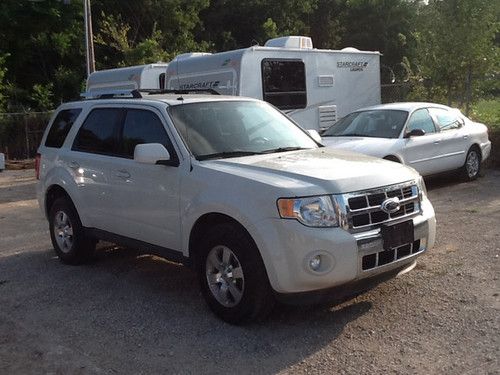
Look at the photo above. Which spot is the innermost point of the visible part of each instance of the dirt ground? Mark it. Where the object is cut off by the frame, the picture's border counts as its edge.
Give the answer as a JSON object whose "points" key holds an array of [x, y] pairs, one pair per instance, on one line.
{"points": [[131, 314]]}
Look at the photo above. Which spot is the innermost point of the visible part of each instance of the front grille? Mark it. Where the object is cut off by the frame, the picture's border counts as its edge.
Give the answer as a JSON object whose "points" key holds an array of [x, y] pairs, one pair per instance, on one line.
{"points": [[381, 258], [364, 209]]}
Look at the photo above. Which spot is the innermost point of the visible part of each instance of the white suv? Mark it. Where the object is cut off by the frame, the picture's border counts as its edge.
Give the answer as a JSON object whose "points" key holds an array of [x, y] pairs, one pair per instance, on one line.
{"points": [[233, 188]]}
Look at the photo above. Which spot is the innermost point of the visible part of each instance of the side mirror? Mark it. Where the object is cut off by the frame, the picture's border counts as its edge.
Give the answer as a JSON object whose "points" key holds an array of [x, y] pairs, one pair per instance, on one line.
{"points": [[151, 153], [415, 133], [315, 135]]}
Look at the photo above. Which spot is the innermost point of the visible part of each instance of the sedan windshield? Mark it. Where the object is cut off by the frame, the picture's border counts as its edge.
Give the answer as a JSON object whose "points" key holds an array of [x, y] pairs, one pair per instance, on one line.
{"points": [[236, 128], [375, 123]]}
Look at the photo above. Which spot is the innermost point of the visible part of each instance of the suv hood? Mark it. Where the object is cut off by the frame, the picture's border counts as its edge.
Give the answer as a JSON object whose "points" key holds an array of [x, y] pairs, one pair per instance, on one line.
{"points": [[317, 171]]}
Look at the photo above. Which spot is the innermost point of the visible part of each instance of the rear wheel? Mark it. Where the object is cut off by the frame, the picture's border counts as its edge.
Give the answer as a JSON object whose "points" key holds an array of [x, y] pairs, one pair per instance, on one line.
{"points": [[232, 276], [66, 231], [472, 166]]}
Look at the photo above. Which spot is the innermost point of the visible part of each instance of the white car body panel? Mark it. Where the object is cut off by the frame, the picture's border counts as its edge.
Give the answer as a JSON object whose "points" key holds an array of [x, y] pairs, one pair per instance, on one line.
{"points": [[429, 154]]}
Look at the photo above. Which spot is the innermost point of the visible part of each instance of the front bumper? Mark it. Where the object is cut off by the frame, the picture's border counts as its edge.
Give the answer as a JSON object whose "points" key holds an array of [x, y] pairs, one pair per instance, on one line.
{"points": [[287, 246]]}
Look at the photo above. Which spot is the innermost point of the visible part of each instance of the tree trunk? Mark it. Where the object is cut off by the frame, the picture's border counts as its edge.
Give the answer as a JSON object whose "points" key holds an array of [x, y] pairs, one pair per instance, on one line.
{"points": [[468, 90], [448, 88]]}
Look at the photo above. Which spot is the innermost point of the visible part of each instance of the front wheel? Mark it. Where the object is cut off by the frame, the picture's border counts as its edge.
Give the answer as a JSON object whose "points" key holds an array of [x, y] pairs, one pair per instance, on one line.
{"points": [[472, 165], [232, 276], [66, 231]]}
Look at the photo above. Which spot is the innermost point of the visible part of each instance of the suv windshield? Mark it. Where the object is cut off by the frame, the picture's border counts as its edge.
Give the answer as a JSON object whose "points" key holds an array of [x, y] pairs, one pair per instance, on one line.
{"points": [[236, 128], [375, 123]]}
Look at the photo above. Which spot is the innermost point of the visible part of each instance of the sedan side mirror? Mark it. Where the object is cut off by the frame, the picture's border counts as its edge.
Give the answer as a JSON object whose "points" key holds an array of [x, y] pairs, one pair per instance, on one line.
{"points": [[151, 153], [415, 133], [315, 135]]}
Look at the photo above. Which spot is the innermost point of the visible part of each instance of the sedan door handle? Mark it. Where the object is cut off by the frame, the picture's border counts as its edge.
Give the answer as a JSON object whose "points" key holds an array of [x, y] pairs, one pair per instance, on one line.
{"points": [[122, 173], [466, 136], [436, 142], [73, 165]]}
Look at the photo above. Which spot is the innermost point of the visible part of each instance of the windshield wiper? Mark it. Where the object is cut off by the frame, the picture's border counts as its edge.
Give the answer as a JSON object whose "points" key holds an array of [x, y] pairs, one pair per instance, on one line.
{"points": [[284, 149], [347, 135], [227, 154]]}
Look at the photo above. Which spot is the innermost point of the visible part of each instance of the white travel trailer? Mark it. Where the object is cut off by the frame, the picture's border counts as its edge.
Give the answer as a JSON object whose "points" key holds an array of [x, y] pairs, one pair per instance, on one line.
{"points": [[145, 77], [313, 86]]}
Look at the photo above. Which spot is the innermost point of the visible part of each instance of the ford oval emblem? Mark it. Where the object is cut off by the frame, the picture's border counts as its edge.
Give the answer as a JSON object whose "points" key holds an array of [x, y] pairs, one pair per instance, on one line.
{"points": [[390, 205]]}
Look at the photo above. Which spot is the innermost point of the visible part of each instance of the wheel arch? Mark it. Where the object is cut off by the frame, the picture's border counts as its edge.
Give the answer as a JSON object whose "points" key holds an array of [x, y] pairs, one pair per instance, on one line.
{"points": [[204, 223], [476, 147], [392, 157], [54, 192]]}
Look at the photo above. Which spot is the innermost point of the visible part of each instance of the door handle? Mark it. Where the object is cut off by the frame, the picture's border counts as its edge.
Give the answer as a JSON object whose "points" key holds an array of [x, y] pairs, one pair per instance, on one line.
{"points": [[122, 173], [73, 165], [436, 142], [466, 136]]}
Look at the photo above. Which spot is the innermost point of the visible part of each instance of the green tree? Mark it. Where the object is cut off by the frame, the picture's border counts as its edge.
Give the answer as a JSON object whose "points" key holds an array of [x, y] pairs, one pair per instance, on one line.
{"points": [[147, 31], [231, 24], [455, 47], [380, 25]]}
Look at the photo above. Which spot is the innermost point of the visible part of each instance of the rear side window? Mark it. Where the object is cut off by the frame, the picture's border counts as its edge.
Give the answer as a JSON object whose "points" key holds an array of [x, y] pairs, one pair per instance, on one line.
{"points": [[446, 119], [140, 127], [99, 132], [284, 83], [61, 126]]}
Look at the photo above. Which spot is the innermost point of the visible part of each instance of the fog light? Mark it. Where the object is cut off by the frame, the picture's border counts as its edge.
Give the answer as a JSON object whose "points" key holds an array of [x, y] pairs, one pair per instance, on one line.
{"points": [[315, 262]]}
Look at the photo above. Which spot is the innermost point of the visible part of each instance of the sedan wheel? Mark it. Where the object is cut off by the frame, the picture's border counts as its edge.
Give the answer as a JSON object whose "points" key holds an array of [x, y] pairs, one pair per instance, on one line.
{"points": [[472, 165]]}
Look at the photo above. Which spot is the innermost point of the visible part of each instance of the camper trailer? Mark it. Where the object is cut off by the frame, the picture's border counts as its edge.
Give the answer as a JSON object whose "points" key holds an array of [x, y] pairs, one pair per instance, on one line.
{"points": [[145, 77], [315, 87]]}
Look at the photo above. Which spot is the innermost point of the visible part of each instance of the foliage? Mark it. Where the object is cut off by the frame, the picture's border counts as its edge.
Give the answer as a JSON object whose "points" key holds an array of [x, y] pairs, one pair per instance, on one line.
{"points": [[41, 38], [487, 111], [455, 46], [445, 48]]}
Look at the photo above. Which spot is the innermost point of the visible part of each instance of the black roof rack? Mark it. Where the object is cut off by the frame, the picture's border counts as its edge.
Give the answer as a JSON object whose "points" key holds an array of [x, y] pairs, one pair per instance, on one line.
{"points": [[179, 92], [113, 94], [136, 94]]}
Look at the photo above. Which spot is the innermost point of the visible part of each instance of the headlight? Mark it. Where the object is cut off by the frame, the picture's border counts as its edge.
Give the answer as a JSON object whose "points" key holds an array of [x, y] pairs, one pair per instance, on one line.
{"points": [[421, 187], [310, 211]]}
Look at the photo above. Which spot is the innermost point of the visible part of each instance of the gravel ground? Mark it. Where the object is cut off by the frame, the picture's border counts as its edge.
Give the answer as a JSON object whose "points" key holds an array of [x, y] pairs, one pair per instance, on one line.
{"points": [[130, 313]]}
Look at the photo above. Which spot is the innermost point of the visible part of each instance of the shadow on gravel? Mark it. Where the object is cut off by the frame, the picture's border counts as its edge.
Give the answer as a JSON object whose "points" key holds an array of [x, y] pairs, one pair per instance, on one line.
{"points": [[139, 313], [453, 178]]}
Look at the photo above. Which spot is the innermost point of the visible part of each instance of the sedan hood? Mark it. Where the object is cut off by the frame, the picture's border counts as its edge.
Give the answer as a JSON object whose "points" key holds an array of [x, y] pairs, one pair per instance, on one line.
{"points": [[373, 146], [317, 171]]}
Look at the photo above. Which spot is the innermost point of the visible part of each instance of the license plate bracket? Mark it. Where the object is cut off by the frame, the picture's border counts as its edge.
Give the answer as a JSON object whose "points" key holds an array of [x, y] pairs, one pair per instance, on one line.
{"points": [[398, 234]]}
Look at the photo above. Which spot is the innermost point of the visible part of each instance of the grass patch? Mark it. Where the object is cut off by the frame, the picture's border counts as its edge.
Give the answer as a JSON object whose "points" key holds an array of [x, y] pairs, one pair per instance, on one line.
{"points": [[487, 111]]}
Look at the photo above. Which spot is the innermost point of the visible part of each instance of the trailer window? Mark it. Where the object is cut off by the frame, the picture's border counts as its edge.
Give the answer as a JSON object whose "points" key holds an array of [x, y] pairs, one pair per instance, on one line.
{"points": [[284, 83]]}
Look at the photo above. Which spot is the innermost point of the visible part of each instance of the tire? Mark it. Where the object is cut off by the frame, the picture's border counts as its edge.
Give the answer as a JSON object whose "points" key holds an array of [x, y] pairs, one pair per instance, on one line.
{"points": [[236, 297], [66, 231], [472, 166]]}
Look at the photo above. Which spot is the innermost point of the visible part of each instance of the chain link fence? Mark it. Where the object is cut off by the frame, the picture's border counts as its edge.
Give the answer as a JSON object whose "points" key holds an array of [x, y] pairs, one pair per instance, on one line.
{"points": [[395, 92], [21, 133]]}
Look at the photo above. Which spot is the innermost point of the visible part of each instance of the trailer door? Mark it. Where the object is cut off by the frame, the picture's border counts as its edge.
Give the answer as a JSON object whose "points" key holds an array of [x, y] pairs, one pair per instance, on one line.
{"points": [[284, 83]]}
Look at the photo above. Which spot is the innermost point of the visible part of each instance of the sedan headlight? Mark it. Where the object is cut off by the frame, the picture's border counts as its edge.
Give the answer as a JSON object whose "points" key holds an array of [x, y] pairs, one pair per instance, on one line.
{"points": [[311, 211]]}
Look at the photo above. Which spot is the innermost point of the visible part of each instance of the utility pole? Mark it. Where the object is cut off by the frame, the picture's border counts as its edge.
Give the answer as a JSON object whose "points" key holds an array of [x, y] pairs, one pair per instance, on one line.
{"points": [[89, 38]]}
